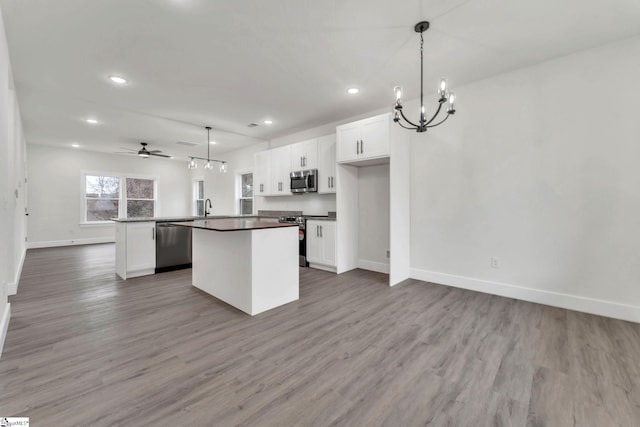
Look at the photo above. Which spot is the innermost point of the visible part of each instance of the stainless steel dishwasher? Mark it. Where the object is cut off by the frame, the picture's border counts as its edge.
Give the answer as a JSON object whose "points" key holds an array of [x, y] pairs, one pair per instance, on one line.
{"points": [[173, 247]]}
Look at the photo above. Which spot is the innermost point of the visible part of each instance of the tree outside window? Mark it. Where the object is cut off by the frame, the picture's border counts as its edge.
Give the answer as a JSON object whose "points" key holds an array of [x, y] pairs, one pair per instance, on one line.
{"points": [[140, 197], [102, 195]]}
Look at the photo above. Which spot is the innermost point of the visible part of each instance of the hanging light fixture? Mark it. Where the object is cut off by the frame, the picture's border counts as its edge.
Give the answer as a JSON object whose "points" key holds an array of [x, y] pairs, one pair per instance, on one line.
{"points": [[209, 161], [443, 92]]}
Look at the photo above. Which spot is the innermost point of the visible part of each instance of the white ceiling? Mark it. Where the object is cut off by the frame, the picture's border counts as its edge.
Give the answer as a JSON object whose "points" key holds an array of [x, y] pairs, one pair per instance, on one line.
{"points": [[192, 63]]}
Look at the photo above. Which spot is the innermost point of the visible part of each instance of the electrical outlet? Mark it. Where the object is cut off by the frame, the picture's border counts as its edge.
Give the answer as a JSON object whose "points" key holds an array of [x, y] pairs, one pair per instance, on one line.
{"points": [[388, 253], [495, 262]]}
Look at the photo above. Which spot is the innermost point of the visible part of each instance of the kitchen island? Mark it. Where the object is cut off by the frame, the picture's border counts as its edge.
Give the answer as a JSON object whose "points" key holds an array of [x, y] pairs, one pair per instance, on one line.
{"points": [[247, 263]]}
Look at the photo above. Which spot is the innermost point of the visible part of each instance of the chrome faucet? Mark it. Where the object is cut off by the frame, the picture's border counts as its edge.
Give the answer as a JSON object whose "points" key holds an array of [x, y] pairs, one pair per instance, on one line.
{"points": [[206, 212]]}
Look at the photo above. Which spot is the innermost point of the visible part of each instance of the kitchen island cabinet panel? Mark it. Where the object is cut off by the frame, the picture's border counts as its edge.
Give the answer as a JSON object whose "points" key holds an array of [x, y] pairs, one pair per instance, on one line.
{"points": [[135, 249]]}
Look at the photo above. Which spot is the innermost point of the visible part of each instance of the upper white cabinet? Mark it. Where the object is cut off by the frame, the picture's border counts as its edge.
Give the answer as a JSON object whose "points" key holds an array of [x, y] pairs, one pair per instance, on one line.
{"points": [[280, 171], [304, 155], [272, 168], [327, 164], [135, 249], [363, 140], [262, 173]]}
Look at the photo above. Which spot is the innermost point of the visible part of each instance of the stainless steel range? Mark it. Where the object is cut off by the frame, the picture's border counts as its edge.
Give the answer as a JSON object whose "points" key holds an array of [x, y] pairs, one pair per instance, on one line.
{"points": [[302, 236]]}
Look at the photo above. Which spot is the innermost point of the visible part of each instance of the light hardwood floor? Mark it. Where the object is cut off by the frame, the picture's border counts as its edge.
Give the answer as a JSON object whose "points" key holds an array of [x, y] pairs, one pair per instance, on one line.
{"points": [[85, 348]]}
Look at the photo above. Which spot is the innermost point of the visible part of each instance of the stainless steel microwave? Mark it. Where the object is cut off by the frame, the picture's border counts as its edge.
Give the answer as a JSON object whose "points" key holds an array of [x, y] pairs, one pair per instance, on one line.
{"points": [[304, 181]]}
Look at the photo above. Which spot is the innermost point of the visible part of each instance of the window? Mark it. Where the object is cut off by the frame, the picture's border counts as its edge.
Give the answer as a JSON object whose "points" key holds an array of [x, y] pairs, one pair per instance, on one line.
{"points": [[140, 197], [102, 195], [246, 194], [105, 197], [198, 197]]}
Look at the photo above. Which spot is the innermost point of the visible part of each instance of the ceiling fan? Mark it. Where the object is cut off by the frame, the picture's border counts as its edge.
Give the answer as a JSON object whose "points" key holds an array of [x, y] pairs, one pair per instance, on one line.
{"points": [[143, 152]]}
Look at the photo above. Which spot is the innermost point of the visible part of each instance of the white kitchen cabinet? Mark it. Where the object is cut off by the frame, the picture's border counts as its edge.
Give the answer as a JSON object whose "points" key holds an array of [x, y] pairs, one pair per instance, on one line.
{"points": [[327, 164], [280, 171], [135, 249], [321, 244], [366, 139], [262, 173], [304, 155]]}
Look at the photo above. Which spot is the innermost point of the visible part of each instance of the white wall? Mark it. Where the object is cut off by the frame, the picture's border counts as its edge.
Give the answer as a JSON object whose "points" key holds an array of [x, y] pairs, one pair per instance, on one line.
{"points": [[221, 187], [55, 176], [539, 167], [12, 194], [373, 217]]}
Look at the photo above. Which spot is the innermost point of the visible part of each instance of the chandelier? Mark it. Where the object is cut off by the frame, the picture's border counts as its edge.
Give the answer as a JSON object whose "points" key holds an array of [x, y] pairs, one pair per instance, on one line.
{"points": [[443, 92], [208, 165]]}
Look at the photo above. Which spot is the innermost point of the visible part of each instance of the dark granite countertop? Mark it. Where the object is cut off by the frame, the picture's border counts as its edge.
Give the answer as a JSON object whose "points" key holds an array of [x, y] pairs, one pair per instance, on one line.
{"points": [[180, 218], [233, 224]]}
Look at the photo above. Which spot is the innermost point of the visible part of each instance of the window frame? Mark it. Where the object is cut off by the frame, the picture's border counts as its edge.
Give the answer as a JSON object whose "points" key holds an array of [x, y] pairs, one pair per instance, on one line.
{"points": [[239, 197], [122, 197]]}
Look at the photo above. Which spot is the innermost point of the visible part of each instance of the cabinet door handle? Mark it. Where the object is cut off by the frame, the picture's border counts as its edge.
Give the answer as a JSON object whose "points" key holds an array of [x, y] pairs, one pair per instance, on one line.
{"points": [[331, 182], [300, 161], [153, 233], [357, 147], [361, 146], [320, 231]]}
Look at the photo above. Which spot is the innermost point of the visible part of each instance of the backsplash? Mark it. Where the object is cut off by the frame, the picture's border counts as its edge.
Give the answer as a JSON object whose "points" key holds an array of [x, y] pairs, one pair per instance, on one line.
{"points": [[309, 204]]}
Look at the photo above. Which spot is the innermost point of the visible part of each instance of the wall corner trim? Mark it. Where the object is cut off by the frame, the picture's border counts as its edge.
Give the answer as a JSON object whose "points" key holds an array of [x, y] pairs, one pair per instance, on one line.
{"points": [[12, 287], [599, 307], [4, 326], [74, 242]]}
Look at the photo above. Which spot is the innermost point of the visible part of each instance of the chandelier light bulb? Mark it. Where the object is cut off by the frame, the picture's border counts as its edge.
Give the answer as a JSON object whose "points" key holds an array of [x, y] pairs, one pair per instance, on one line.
{"points": [[398, 92], [192, 164], [442, 90], [223, 168], [208, 165], [452, 100]]}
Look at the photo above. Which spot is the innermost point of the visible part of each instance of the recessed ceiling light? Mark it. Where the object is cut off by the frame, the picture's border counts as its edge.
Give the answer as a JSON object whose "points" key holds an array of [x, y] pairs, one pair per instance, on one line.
{"points": [[268, 122], [75, 145], [212, 142], [92, 121], [353, 90], [118, 79]]}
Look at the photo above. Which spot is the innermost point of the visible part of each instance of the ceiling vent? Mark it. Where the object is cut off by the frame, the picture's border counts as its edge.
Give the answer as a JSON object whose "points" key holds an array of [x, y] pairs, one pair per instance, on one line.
{"points": [[187, 144], [252, 125]]}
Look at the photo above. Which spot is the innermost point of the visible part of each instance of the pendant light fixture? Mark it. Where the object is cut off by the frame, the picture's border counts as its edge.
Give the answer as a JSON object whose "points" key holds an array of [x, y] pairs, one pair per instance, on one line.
{"points": [[443, 92], [209, 161]]}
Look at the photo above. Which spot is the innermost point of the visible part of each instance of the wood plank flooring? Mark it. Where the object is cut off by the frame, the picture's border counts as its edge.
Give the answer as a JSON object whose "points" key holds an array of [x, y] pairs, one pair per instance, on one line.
{"points": [[85, 348]]}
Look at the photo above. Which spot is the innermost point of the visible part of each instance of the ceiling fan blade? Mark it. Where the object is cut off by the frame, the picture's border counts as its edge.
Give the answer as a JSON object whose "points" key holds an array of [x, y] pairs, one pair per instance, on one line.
{"points": [[155, 151], [158, 155], [124, 152], [130, 149]]}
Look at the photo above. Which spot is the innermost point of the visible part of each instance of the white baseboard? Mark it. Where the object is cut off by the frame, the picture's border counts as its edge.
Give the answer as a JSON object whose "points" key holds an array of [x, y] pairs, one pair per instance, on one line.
{"points": [[379, 267], [4, 325], [555, 299], [55, 243], [12, 287], [322, 267]]}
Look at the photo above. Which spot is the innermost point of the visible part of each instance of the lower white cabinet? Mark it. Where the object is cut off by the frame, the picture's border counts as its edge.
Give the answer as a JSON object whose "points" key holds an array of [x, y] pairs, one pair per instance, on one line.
{"points": [[135, 249], [321, 244]]}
